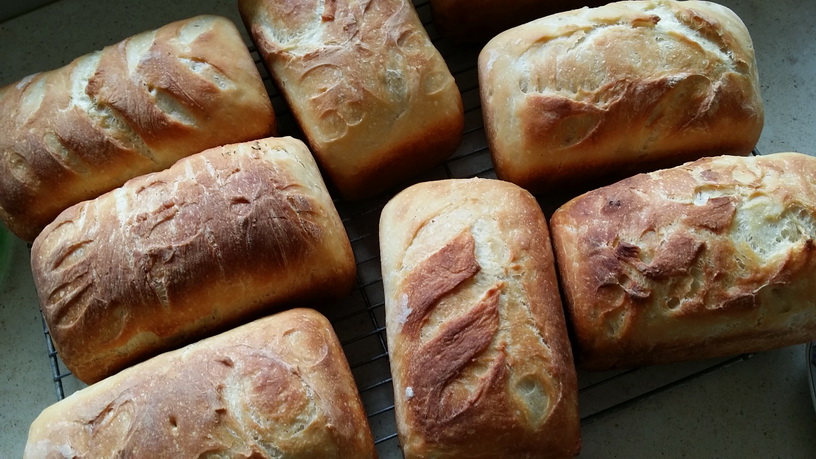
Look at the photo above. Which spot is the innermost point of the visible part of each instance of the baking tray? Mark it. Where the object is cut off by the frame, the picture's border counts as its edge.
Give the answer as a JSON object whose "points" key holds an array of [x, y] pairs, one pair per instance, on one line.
{"points": [[359, 319]]}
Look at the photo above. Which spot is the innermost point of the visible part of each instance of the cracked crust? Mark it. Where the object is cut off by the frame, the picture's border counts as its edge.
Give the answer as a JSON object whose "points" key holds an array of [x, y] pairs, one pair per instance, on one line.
{"points": [[219, 236], [598, 94], [71, 134], [370, 91], [712, 258], [476, 334], [276, 387]]}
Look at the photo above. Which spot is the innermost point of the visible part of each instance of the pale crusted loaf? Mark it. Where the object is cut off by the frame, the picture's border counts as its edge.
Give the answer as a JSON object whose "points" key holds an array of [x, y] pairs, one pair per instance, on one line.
{"points": [[583, 97], [220, 236], [480, 359], [276, 387], [711, 258], [135, 107], [372, 94]]}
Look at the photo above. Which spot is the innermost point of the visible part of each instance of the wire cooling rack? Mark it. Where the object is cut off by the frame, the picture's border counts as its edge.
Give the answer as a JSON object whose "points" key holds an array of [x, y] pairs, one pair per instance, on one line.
{"points": [[359, 319]]}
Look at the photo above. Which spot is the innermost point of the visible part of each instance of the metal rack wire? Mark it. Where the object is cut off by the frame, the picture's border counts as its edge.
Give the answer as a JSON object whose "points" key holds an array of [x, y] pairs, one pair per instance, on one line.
{"points": [[359, 319]]}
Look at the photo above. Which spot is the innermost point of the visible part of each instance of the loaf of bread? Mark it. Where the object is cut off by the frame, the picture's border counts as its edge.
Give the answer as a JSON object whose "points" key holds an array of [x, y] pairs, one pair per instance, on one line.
{"points": [[584, 97], [373, 96], [477, 21], [71, 134], [276, 387], [480, 359], [219, 237], [712, 258]]}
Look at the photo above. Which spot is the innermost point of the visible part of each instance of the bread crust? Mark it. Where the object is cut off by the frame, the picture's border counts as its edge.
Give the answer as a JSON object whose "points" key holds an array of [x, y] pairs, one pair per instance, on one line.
{"points": [[219, 237], [73, 133], [373, 96], [585, 97], [276, 387], [480, 359], [709, 259]]}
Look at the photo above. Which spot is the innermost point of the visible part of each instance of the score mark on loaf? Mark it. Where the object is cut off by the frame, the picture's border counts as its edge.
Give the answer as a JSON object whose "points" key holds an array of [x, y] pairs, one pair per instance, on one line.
{"points": [[588, 96], [170, 256], [713, 258], [477, 340], [73, 133], [374, 97], [277, 387]]}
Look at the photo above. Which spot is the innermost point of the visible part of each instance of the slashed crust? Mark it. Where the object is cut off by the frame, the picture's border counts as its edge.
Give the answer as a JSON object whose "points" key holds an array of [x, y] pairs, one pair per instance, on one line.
{"points": [[170, 256], [712, 258], [479, 353]]}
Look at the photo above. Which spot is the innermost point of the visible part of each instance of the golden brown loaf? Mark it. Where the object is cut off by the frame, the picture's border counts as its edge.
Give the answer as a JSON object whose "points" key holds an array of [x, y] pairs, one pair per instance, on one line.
{"points": [[480, 359], [711, 258], [477, 21], [71, 134], [373, 96], [170, 256], [277, 387], [581, 97]]}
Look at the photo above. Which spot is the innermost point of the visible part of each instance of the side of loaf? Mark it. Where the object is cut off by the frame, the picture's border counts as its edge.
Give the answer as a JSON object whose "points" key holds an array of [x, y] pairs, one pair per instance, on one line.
{"points": [[712, 258], [276, 387], [586, 97], [373, 96], [220, 236], [71, 134], [480, 359]]}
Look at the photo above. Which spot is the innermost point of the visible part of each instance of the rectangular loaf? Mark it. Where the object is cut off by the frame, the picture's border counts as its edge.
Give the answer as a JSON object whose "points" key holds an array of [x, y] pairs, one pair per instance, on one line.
{"points": [[276, 387], [480, 359], [712, 258], [171, 256], [371, 93], [585, 97], [135, 107]]}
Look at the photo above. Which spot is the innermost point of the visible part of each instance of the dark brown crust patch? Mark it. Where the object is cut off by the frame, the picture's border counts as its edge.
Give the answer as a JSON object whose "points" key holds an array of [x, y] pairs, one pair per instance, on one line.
{"points": [[440, 361], [436, 277]]}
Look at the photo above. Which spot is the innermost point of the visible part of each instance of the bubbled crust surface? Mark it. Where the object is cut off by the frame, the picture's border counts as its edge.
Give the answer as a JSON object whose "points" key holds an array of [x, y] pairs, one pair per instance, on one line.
{"points": [[373, 96], [172, 255], [276, 387], [596, 94], [135, 107], [711, 258], [479, 354]]}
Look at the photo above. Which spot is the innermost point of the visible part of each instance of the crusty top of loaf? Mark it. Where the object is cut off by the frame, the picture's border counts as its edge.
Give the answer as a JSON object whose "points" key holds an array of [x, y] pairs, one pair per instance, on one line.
{"points": [[711, 258], [630, 84], [477, 339], [370, 91], [575, 53], [70, 134], [277, 387], [174, 254]]}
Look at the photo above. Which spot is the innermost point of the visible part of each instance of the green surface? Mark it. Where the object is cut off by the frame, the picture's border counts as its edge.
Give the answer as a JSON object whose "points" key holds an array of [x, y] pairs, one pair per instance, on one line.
{"points": [[5, 252]]}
